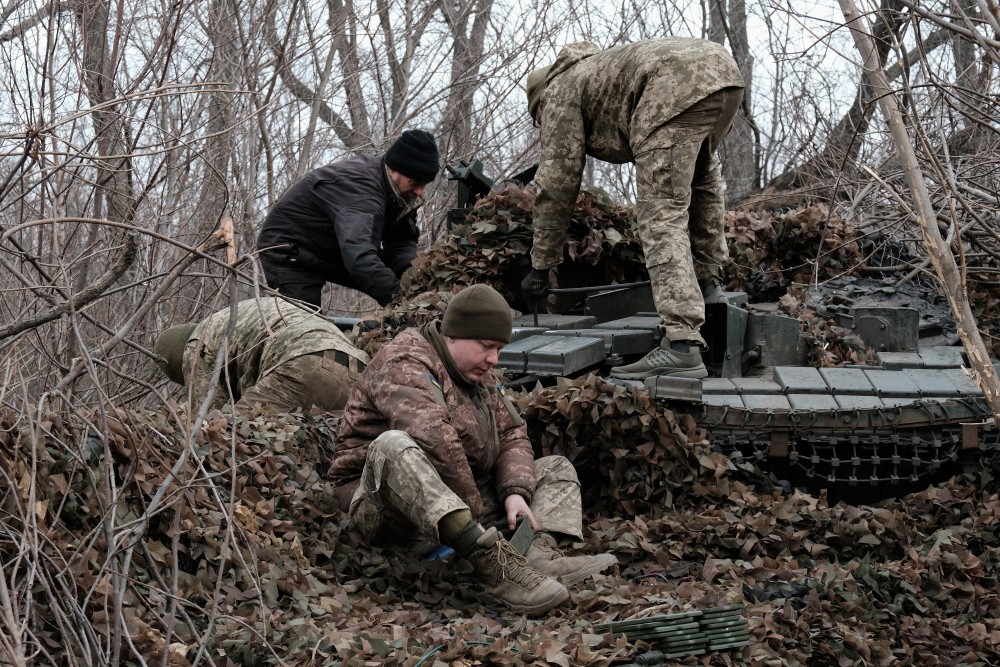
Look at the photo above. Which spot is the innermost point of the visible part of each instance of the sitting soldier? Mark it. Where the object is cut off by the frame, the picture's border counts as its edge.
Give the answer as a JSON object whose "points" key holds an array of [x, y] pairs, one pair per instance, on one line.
{"points": [[430, 447]]}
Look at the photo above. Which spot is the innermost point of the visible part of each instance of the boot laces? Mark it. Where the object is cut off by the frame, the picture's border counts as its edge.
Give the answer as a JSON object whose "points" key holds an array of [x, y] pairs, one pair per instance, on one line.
{"points": [[512, 565], [660, 357]]}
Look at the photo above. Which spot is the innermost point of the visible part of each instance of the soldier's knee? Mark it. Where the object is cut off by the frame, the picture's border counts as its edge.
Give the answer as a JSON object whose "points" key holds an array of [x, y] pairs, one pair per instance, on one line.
{"points": [[556, 469], [392, 442]]}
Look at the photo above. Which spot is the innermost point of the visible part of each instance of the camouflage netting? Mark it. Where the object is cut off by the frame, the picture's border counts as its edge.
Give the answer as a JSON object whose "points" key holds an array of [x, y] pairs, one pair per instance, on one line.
{"points": [[125, 538], [633, 456], [984, 297], [773, 256], [230, 550], [492, 247], [769, 253]]}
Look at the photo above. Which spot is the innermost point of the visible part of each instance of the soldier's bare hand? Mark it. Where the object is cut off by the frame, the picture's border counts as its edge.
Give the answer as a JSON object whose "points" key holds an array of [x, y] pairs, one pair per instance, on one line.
{"points": [[516, 506]]}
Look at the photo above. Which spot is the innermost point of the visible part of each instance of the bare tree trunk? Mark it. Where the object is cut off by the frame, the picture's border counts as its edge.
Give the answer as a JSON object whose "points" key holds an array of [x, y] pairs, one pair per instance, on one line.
{"points": [[951, 278], [344, 25], [465, 75], [224, 71], [844, 142], [740, 150], [303, 91], [114, 179], [970, 81], [395, 52], [114, 188]]}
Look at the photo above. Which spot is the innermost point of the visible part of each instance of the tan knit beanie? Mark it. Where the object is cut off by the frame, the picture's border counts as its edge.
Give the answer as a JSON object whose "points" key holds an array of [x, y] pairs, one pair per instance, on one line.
{"points": [[535, 87], [478, 311], [170, 345]]}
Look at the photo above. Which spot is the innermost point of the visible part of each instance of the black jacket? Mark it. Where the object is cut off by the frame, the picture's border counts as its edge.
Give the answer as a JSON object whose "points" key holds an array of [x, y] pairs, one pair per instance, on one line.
{"points": [[343, 222]]}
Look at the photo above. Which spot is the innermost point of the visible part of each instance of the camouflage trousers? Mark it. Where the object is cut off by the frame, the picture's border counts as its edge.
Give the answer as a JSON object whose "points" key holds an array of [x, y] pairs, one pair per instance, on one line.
{"points": [[401, 498], [322, 379], [681, 208]]}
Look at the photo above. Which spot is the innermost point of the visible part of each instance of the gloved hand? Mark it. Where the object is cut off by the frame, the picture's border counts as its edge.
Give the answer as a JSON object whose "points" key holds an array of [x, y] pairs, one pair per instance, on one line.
{"points": [[535, 285]]}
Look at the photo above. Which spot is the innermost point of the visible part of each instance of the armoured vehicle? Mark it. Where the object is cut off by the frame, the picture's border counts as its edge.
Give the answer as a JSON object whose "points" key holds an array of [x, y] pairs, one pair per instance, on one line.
{"points": [[859, 432]]}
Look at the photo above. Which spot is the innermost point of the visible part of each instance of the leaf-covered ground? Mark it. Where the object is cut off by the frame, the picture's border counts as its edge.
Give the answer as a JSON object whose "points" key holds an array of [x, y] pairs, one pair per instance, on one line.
{"points": [[129, 537], [246, 558]]}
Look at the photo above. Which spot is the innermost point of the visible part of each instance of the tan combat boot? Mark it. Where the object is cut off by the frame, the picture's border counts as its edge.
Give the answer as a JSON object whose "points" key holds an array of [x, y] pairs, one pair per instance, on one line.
{"points": [[510, 579], [547, 559]]}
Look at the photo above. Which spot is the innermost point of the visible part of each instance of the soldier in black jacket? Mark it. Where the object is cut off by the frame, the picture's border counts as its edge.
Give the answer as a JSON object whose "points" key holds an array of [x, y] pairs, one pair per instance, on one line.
{"points": [[353, 222]]}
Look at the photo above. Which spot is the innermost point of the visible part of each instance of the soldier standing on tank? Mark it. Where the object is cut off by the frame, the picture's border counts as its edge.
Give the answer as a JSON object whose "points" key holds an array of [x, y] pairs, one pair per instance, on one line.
{"points": [[280, 356], [664, 105], [430, 449]]}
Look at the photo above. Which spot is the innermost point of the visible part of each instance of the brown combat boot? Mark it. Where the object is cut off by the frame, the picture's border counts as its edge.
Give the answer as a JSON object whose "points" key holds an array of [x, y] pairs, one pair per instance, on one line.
{"points": [[547, 559], [510, 579]]}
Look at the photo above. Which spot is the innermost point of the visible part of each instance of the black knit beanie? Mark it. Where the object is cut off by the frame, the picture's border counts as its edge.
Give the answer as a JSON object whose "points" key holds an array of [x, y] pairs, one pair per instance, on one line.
{"points": [[414, 155], [479, 312], [170, 345]]}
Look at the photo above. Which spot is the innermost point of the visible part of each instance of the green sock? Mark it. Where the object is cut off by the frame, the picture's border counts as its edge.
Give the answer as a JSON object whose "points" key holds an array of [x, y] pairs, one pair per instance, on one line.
{"points": [[459, 531]]}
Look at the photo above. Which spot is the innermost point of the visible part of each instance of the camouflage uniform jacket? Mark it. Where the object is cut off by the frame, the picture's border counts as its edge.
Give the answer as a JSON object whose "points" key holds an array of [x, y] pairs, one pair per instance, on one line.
{"points": [[268, 333], [467, 432], [609, 105]]}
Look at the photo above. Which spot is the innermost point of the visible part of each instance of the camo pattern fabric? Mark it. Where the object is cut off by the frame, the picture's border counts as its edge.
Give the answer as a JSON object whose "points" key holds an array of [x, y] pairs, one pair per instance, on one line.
{"points": [[612, 105], [681, 209], [467, 431], [401, 499], [319, 379], [268, 333], [557, 503]]}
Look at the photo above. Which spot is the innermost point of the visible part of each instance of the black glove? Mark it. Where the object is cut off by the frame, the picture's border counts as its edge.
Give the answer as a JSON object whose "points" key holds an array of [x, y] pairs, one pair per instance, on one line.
{"points": [[535, 285]]}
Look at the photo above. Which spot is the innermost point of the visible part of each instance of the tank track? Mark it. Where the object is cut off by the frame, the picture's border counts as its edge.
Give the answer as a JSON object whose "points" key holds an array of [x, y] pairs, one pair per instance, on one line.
{"points": [[873, 448], [876, 431]]}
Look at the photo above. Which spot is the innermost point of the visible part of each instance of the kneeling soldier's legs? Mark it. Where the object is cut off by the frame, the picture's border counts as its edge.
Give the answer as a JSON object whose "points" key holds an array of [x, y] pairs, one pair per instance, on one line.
{"points": [[323, 379]]}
